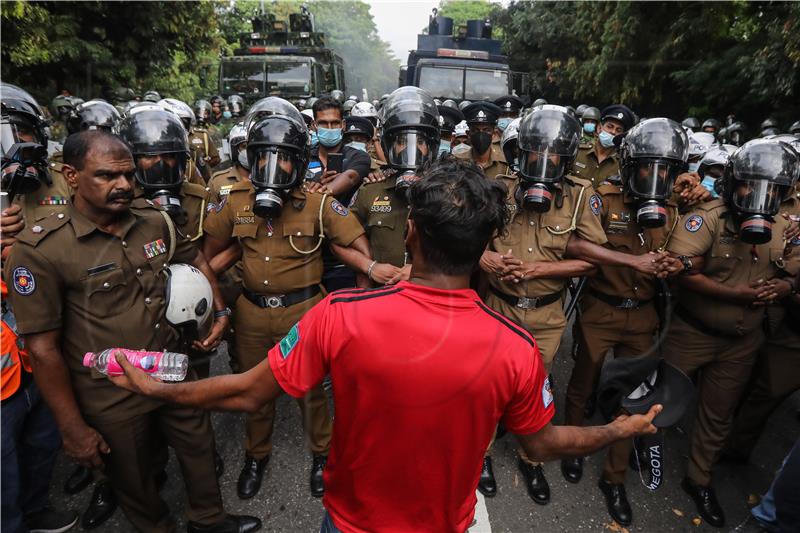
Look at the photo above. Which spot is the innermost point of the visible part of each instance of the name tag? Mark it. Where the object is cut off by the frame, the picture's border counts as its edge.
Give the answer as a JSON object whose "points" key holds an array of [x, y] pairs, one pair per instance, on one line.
{"points": [[99, 269], [244, 218]]}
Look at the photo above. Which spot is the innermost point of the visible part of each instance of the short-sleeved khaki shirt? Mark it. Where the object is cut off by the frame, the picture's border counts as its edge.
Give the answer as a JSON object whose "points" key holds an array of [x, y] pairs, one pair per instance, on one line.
{"points": [[194, 200], [221, 184], [47, 199], [493, 168], [587, 166], [384, 214]]}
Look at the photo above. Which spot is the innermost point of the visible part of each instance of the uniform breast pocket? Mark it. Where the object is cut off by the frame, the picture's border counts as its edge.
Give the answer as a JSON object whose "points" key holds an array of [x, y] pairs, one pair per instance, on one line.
{"points": [[301, 236], [377, 221], [554, 232], [725, 259], [107, 292], [245, 231]]}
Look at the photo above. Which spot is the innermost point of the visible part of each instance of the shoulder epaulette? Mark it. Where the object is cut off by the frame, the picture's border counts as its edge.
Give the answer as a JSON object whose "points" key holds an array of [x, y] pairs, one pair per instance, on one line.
{"points": [[35, 234]]}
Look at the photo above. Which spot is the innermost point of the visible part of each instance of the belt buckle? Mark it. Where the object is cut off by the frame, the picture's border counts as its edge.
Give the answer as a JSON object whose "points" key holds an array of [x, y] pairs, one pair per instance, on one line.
{"points": [[628, 303], [527, 303], [274, 302]]}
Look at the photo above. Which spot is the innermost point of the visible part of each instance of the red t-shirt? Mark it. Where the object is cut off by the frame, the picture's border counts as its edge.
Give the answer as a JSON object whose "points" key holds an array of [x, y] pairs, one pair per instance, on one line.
{"points": [[421, 378]]}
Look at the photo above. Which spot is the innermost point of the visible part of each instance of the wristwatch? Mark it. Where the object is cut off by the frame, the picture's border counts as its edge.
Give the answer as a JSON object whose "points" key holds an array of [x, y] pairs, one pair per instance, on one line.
{"points": [[222, 312], [687, 263]]}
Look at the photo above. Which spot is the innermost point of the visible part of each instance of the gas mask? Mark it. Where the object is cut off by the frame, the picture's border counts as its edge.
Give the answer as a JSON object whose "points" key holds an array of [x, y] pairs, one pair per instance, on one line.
{"points": [[162, 182], [24, 160], [274, 172], [650, 182], [540, 173], [755, 203], [409, 149]]}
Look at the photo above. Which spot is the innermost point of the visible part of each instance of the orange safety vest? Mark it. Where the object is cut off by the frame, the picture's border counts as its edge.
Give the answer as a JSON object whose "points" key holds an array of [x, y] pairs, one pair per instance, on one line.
{"points": [[13, 357]]}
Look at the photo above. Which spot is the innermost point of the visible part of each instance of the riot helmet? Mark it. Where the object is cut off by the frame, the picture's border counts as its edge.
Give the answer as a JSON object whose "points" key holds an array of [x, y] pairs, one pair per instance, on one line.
{"points": [[711, 125], [202, 111], [508, 143], [735, 133], [539, 102], [277, 150], [348, 106], [794, 129], [160, 148], [590, 120], [181, 109], [151, 96], [548, 143], [580, 109], [712, 168], [366, 110], [237, 144], [62, 106], [692, 123], [758, 177], [23, 141], [271, 105], [236, 105], [94, 115], [652, 155], [189, 299], [337, 95], [699, 143], [410, 132]]}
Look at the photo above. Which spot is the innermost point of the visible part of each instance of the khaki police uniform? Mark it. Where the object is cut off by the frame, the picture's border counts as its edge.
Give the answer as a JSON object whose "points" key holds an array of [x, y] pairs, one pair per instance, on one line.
{"points": [[103, 291], [493, 168], [384, 214], [203, 151], [194, 201], [282, 263], [230, 283], [618, 310], [777, 372], [47, 199], [718, 338], [588, 167], [221, 183]]}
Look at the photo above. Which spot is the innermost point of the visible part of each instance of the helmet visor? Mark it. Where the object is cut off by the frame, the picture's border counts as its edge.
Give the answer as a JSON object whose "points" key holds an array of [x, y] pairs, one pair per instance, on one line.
{"points": [[758, 196], [275, 168], [410, 149], [545, 166], [653, 179], [161, 170], [13, 132]]}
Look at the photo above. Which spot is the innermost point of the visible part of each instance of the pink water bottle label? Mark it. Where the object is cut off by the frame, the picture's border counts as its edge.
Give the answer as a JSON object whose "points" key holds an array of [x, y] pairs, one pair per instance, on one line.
{"points": [[147, 361]]}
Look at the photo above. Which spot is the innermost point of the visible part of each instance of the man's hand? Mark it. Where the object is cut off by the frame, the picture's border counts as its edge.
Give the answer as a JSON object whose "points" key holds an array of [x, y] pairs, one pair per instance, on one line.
{"points": [[668, 266], [772, 291], [84, 445], [378, 175], [650, 264], [635, 425], [403, 275], [315, 186], [492, 262], [793, 229], [328, 176], [11, 223], [383, 273], [218, 329], [133, 379], [688, 186]]}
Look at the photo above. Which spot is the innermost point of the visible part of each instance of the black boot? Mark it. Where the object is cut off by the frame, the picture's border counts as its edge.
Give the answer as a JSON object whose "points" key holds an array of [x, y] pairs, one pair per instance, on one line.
{"points": [[250, 477], [536, 483], [79, 479], [616, 502], [706, 501], [101, 506], [231, 524], [487, 484], [572, 469], [315, 482], [639, 460]]}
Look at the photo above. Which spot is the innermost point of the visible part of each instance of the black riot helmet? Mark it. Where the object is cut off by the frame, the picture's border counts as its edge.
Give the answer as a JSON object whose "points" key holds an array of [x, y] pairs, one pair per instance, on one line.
{"points": [[758, 177], [236, 105], [271, 105], [202, 111], [160, 148], [652, 155], [692, 123], [278, 153], [735, 133], [23, 141], [411, 132], [548, 143], [94, 115]]}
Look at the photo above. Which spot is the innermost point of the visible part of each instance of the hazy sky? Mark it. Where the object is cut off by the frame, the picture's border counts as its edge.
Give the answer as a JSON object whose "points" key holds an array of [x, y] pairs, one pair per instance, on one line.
{"points": [[399, 22]]}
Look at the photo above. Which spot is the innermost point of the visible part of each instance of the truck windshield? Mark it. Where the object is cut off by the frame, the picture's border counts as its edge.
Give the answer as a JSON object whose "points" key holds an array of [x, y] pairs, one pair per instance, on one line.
{"points": [[442, 82], [243, 78], [284, 77], [474, 84], [485, 84]]}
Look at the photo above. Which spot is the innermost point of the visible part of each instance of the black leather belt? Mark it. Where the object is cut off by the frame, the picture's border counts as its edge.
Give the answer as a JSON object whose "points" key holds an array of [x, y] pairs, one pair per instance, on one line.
{"points": [[616, 301], [281, 300], [528, 303]]}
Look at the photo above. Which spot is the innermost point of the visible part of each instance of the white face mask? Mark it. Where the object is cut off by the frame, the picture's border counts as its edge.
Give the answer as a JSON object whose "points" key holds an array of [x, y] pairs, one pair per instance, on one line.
{"points": [[242, 158], [358, 146], [460, 149]]}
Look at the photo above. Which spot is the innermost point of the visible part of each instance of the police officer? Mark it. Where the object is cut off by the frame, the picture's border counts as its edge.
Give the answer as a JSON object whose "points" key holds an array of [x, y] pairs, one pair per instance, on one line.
{"points": [[236, 106], [692, 123], [198, 170], [34, 183], [482, 118], [716, 329], [711, 125], [280, 229], [88, 279], [590, 120], [410, 140], [61, 107], [510, 108], [598, 160], [367, 110], [94, 115], [736, 133], [205, 155], [450, 117], [619, 310], [223, 180]]}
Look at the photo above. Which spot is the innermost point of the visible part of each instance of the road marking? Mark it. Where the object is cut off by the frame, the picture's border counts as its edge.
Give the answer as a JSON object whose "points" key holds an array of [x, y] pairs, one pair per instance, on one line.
{"points": [[481, 522]]}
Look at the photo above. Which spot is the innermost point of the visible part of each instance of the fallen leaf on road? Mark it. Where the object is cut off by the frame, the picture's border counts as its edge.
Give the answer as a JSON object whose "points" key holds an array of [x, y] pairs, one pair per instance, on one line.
{"points": [[696, 521], [516, 480], [677, 512], [613, 526]]}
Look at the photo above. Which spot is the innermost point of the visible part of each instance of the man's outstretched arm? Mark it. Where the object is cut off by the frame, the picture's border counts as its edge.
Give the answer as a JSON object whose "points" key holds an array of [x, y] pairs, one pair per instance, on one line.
{"points": [[556, 442], [235, 392]]}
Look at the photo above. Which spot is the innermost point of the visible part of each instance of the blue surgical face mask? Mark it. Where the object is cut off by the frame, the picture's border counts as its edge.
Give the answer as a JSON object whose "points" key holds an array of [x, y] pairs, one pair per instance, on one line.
{"points": [[589, 127], [444, 147], [708, 184], [358, 146], [226, 114], [314, 139], [694, 166], [329, 137], [606, 139], [502, 123]]}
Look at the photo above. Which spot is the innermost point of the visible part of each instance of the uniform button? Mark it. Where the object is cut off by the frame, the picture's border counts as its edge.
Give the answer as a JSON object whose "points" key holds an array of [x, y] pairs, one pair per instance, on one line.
{"points": [[532, 223], [138, 271], [380, 222], [61, 215], [266, 259], [269, 234], [558, 227], [158, 326], [124, 244], [266, 282], [298, 233], [106, 285], [530, 250], [188, 236], [147, 300], [727, 256]]}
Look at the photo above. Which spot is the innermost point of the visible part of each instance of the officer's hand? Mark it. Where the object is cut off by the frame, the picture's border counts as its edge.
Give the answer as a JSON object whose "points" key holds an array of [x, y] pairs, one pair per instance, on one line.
{"points": [[328, 176], [772, 291], [635, 425], [315, 186], [383, 273], [84, 445], [11, 223], [793, 230], [690, 190], [492, 262], [378, 175], [403, 275], [748, 294], [219, 328], [648, 264], [668, 266]]}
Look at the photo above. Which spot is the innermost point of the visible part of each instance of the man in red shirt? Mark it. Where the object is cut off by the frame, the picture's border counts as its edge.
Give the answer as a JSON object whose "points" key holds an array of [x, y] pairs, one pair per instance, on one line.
{"points": [[422, 372]]}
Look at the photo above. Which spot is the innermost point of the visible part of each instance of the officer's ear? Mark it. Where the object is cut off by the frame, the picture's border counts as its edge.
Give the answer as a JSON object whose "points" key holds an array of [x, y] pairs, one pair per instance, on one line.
{"points": [[71, 175]]}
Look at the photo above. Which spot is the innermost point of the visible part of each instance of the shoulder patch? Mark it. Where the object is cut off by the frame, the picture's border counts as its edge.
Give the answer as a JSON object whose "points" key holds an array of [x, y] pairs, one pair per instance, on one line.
{"points": [[353, 199], [339, 208], [595, 203], [290, 341], [24, 282], [694, 223]]}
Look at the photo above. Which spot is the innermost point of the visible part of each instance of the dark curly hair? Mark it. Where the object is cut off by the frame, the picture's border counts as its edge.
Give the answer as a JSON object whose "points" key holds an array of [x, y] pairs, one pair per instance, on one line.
{"points": [[457, 210]]}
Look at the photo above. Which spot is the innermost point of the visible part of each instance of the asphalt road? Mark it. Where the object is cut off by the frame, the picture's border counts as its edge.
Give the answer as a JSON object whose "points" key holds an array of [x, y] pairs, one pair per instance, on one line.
{"points": [[285, 504]]}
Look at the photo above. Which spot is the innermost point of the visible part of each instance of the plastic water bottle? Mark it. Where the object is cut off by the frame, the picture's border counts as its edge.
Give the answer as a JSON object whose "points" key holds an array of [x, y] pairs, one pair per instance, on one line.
{"points": [[167, 366]]}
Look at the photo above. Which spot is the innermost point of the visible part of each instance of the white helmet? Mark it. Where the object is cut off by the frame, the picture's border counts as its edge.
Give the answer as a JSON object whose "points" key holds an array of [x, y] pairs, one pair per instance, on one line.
{"points": [[461, 129], [508, 142], [181, 109], [237, 135], [364, 109], [189, 300]]}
